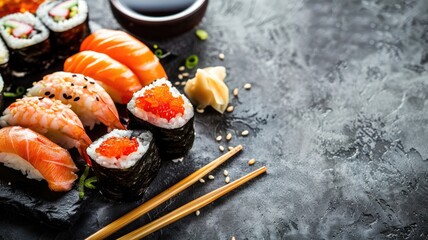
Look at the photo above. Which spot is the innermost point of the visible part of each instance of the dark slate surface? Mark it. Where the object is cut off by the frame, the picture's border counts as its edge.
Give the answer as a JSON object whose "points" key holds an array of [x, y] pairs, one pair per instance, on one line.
{"points": [[337, 112]]}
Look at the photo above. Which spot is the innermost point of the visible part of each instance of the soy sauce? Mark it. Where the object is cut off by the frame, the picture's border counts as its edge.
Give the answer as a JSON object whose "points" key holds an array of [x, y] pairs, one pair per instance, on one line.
{"points": [[157, 8]]}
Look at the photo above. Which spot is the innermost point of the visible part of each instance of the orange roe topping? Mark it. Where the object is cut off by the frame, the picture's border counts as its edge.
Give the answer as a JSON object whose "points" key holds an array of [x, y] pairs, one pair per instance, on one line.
{"points": [[117, 147], [159, 101]]}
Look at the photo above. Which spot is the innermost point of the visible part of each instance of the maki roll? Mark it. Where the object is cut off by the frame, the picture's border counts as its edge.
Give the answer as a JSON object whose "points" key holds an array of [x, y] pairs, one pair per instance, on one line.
{"points": [[4, 59], [68, 22], [28, 42], [1, 92], [169, 115], [125, 163]]}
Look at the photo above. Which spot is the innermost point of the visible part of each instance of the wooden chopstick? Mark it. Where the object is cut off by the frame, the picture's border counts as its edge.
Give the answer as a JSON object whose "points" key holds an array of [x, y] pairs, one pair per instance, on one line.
{"points": [[190, 207], [162, 197]]}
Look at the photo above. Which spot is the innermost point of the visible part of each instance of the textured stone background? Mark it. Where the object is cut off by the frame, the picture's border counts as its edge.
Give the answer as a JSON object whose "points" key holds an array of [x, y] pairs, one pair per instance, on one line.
{"points": [[337, 112]]}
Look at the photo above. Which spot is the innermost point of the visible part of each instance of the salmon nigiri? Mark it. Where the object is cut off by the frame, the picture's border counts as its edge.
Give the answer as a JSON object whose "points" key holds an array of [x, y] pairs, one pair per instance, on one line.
{"points": [[51, 118], [128, 50], [86, 97], [37, 157], [117, 79]]}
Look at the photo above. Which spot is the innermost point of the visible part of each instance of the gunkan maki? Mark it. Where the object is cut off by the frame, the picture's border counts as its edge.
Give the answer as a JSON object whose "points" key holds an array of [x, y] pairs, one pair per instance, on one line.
{"points": [[125, 163], [168, 114], [68, 23], [28, 42]]}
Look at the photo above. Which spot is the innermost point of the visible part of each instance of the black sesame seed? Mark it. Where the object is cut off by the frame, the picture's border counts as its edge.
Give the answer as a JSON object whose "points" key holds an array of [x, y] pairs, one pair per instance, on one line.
{"points": [[41, 98], [69, 97], [76, 99], [47, 93], [64, 95], [85, 86], [97, 98], [52, 96], [72, 84], [92, 82], [86, 78], [74, 75]]}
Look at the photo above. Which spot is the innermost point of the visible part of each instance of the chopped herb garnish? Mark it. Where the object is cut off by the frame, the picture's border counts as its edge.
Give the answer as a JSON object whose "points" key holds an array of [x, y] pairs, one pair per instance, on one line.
{"points": [[201, 34], [192, 61], [158, 52], [83, 182], [19, 92]]}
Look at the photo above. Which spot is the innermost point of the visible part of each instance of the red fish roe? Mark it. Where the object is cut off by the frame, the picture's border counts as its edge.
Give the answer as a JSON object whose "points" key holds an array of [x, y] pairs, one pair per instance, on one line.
{"points": [[159, 101], [117, 147]]}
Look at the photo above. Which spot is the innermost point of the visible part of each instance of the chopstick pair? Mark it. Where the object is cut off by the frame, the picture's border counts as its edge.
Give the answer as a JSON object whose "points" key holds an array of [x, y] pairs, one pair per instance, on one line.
{"points": [[170, 192]]}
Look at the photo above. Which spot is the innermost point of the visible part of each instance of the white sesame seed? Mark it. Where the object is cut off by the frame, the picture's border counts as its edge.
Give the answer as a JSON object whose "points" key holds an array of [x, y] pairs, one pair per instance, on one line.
{"points": [[202, 180], [211, 177], [180, 76], [221, 56], [229, 109], [177, 83], [235, 92], [252, 161], [197, 212], [218, 138], [228, 136], [186, 74], [181, 68], [183, 83], [225, 173], [247, 86], [9, 183], [227, 179], [230, 148], [245, 133], [200, 110], [221, 148]]}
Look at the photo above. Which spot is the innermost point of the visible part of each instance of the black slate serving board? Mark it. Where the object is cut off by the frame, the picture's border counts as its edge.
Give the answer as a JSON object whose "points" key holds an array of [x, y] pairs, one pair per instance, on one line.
{"points": [[337, 113]]}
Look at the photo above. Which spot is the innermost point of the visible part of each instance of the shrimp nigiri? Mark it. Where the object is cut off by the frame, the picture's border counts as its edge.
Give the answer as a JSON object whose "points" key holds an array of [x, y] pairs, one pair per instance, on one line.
{"points": [[37, 157], [50, 118], [117, 79], [128, 50], [87, 98]]}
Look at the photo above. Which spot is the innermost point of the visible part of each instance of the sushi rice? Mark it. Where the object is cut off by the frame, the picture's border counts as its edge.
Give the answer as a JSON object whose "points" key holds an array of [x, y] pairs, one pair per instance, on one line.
{"points": [[28, 18], [125, 161], [178, 121], [61, 26]]}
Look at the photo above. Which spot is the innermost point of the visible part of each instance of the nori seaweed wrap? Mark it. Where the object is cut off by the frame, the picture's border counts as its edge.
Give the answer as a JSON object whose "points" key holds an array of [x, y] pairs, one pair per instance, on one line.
{"points": [[4, 60], [169, 115], [28, 42], [68, 23], [1, 93], [125, 163]]}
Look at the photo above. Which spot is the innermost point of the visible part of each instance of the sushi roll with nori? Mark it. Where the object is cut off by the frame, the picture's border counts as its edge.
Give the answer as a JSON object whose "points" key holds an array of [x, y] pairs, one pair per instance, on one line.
{"points": [[125, 163], [28, 41], [1, 92], [4, 59], [168, 114], [68, 22]]}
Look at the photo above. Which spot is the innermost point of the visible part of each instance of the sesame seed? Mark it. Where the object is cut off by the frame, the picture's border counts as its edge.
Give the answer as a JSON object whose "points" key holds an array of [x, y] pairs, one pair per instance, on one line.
{"points": [[202, 180], [221, 148], [92, 82], [252, 161], [47, 93], [221, 56], [211, 177], [200, 110], [64, 96], [40, 98], [85, 86], [228, 136], [9, 183], [229, 109], [76, 99], [180, 76], [52, 96], [218, 138], [74, 75], [183, 83], [227, 179], [247, 86], [181, 68], [230, 148], [86, 78], [225, 173], [198, 212], [72, 84], [235, 92], [245, 133], [177, 83], [97, 98], [186, 74]]}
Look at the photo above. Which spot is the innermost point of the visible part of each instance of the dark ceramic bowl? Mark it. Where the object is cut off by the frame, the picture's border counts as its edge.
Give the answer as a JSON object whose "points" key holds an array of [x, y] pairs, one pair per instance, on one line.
{"points": [[159, 26]]}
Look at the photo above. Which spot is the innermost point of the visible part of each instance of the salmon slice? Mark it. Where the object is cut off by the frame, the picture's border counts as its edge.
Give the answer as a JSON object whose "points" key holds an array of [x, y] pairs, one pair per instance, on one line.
{"points": [[117, 79], [127, 50], [37, 157]]}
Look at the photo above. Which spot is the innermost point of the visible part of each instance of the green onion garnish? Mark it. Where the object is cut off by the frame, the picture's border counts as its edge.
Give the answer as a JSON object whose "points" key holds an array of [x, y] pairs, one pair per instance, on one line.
{"points": [[155, 46], [192, 61], [89, 181], [158, 52], [83, 182], [201, 34], [19, 92]]}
